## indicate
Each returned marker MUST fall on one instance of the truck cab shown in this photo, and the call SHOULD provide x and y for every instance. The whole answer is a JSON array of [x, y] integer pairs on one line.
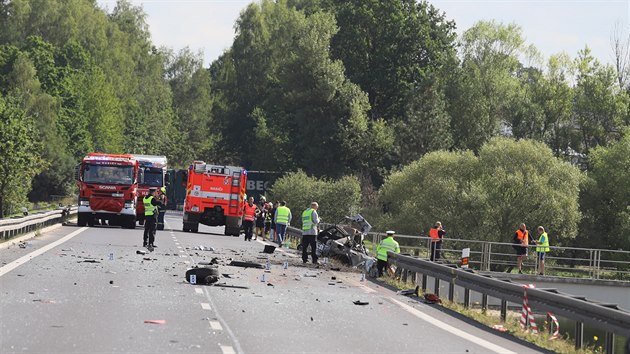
[[154, 175]]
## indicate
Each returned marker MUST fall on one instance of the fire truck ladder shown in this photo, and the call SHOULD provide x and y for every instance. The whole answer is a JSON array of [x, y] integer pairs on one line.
[[235, 192]]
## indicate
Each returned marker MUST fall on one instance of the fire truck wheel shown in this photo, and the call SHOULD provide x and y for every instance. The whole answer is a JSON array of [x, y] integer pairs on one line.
[[81, 220], [90, 221]]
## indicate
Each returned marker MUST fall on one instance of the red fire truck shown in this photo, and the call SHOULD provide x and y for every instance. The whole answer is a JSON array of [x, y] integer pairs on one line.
[[154, 176], [107, 189], [215, 196]]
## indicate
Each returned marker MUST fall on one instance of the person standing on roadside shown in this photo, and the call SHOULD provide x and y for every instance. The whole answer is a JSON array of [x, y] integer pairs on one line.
[[387, 245], [521, 242], [249, 214], [542, 247], [151, 205], [310, 222], [260, 218], [272, 226], [283, 220], [436, 233]]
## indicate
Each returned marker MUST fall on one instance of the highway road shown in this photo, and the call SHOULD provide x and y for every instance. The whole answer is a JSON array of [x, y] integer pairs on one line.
[[85, 290]]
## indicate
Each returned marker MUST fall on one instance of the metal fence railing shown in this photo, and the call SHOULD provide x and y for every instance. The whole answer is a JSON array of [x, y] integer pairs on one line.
[[609, 318], [12, 227], [500, 257]]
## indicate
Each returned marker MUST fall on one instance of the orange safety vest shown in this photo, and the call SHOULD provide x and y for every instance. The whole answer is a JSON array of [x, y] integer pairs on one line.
[[523, 236], [250, 212], [433, 232]]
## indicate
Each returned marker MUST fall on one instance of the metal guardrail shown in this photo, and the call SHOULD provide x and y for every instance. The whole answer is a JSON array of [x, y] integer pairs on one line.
[[10, 228], [608, 317], [496, 256]]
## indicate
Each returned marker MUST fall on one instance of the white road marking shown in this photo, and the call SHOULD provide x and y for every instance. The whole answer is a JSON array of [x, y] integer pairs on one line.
[[183, 255], [216, 326], [182, 251], [178, 246], [205, 306], [199, 291], [186, 262], [226, 349], [16, 263], [237, 346], [458, 332]]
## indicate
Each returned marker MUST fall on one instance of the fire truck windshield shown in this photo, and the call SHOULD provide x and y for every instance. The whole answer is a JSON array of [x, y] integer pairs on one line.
[[108, 174], [153, 177]]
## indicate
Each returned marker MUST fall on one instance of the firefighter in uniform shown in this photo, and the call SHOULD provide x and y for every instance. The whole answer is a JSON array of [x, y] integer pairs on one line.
[[151, 204], [249, 214], [388, 244]]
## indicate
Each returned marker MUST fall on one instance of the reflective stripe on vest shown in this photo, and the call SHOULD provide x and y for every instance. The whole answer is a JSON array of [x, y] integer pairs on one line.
[[282, 215], [543, 243], [435, 236], [386, 245], [250, 212], [523, 236], [149, 209], [307, 219]]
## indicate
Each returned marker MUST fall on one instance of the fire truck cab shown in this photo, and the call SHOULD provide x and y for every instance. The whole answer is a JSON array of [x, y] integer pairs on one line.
[[154, 170], [215, 196], [107, 189]]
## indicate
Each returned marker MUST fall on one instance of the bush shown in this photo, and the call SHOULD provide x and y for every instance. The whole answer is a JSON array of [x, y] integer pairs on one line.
[[336, 198]]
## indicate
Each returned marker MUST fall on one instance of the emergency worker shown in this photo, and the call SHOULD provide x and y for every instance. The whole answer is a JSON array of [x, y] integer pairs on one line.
[[310, 222], [542, 247], [521, 242], [260, 218], [151, 204], [283, 220], [388, 244], [436, 233], [249, 214]]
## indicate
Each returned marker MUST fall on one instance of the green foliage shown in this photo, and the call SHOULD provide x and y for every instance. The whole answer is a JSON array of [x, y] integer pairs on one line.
[[336, 198], [485, 197]]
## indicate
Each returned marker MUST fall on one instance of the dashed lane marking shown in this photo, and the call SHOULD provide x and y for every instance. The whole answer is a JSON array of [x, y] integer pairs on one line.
[[205, 306], [226, 349], [216, 326], [16, 263], [199, 291]]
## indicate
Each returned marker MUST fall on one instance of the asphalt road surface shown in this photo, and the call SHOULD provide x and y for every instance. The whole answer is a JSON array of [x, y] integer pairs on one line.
[[85, 290]]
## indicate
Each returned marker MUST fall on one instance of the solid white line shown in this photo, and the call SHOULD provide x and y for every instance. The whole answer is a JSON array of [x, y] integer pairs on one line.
[[226, 349], [16, 263], [237, 345], [216, 326], [182, 251], [205, 306], [199, 291], [178, 246], [458, 332]]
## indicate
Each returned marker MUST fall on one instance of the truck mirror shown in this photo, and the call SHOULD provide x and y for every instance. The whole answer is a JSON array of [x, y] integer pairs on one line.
[[77, 172], [140, 176]]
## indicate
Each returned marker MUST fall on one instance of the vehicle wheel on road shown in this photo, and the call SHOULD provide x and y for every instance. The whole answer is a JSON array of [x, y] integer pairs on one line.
[[90, 221], [130, 224], [160, 227], [195, 229], [82, 220], [141, 222]]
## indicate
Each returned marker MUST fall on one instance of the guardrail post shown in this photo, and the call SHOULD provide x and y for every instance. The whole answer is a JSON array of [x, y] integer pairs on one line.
[[610, 343], [436, 287], [403, 276], [489, 258], [579, 335], [451, 291], [503, 310], [484, 303], [424, 283], [466, 298]]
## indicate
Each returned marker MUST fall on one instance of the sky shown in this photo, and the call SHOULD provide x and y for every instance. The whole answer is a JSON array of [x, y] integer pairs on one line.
[[552, 26]]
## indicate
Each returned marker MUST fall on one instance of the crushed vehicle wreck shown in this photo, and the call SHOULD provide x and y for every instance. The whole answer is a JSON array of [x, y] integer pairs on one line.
[[345, 243]]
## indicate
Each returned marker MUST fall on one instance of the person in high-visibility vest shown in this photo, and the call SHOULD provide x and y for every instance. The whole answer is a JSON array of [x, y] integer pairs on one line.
[[249, 214], [387, 245], [436, 233], [521, 243], [283, 219], [310, 222], [151, 203], [542, 247]]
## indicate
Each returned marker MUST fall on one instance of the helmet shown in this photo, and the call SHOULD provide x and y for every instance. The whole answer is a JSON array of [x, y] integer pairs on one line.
[[163, 189]]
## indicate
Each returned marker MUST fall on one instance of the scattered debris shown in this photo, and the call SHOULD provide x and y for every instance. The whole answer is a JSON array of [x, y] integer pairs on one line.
[[203, 276], [91, 261], [155, 321], [141, 252], [269, 284], [333, 278], [111, 282], [269, 249], [335, 268], [232, 286], [432, 299], [360, 303], [246, 264], [22, 244], [409, 292], [311, 318], [499, 328], [204, 248]]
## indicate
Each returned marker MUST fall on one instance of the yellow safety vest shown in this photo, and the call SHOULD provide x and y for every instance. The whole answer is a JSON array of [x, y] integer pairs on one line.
[[543, 243], [307, 219], [282, 215], [388, 244], [149, 209]]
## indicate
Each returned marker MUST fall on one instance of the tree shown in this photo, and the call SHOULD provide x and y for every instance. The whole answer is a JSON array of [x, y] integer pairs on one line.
[[19, 154], [485, 197]]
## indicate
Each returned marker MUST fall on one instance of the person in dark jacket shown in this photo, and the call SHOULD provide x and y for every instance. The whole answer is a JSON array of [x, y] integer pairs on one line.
[[151, 211]]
